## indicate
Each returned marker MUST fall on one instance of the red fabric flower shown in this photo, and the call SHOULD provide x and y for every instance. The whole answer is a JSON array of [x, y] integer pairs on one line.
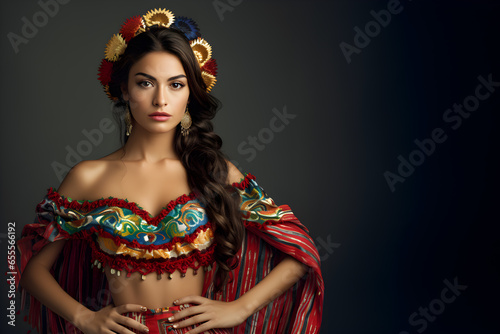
[[210, 67], [105, 72], [130, 27]]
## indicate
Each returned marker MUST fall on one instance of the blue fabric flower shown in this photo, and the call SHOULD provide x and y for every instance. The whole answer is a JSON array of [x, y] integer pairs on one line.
[[188, 27]]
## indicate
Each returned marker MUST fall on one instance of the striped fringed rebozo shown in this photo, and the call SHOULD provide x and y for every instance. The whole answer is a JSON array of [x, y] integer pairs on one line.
[[72, 270], [272, 232]]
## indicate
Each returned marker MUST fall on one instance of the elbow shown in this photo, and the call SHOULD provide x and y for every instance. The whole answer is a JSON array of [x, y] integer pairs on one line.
[[303, 269], [24, 281], [300, 269], [27, 276]]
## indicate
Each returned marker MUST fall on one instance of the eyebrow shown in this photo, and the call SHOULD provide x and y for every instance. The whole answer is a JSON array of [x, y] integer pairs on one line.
[[153, 78]]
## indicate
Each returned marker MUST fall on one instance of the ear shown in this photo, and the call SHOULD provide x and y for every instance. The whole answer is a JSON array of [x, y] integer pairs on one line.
[[124, 89]]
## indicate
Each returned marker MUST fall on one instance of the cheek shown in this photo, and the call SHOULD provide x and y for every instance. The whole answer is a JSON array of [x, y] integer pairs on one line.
[[183, 97], [138, 95], [177, 100]]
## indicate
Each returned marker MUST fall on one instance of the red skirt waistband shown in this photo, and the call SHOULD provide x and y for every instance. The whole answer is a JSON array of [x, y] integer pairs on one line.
[[157, 320]]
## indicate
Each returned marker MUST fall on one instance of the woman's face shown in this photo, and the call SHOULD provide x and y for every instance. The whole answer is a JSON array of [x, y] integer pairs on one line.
[[157, 83]]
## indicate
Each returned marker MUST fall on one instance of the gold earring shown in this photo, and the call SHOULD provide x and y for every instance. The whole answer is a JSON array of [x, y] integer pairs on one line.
[[128, 120], [186, 123]]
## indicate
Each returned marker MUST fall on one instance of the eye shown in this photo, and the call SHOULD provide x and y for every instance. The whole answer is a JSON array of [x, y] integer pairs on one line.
[[145, 83], [177, 85]]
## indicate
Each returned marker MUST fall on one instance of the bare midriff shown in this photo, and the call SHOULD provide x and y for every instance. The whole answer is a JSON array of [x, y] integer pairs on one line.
[[153, 291]]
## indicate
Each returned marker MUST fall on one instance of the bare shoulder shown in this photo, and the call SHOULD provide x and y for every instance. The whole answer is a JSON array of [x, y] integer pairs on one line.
[[82, 178], [233, 173]]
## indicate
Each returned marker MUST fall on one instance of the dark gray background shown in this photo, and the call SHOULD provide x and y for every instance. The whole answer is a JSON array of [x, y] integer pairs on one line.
[[389, 252]]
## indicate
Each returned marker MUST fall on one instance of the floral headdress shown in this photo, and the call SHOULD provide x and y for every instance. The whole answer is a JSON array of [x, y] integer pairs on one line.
[[163, 18]]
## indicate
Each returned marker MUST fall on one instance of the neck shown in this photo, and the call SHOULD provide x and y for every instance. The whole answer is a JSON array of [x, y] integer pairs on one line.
[[150, 147]]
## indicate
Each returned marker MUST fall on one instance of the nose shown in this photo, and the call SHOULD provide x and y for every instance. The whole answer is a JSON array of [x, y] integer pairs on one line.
[[160, 98]]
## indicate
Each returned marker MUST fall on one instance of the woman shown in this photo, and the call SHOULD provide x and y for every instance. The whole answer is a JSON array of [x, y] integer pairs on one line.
[[259, 264]]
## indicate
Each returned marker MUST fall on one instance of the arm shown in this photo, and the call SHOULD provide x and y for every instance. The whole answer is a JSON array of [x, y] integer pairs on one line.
[[38, 280], [280, 279], [218, 314], [40, 283]]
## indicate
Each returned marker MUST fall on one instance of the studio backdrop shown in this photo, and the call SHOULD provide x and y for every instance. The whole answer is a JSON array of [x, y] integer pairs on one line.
[[375, 121]]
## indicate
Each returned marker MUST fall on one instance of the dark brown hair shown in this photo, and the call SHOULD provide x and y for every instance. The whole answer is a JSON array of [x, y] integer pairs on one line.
[[200, 150]]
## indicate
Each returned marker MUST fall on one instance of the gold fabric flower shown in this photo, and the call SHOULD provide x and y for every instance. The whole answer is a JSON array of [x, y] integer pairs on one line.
[[202, 50], [115, 47], [209, 80], [161, 17]]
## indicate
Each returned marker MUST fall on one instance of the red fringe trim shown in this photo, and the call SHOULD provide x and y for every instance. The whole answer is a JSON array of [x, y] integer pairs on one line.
[[189, 238], [87, 205], [86, 234], [120, 261], [245, 182], [146, 266], [118, 240], [289, 219]]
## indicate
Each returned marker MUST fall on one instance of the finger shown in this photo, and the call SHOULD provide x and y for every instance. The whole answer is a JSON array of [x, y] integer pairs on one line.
[[192, 310], [201, 328], [108, 331], [190, 299], [117, 328], [129, 322], [192, 321], [130, 308]]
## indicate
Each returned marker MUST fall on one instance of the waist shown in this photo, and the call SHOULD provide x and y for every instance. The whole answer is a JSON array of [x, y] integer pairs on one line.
[[153, 291], [162, 311], [157, 320]]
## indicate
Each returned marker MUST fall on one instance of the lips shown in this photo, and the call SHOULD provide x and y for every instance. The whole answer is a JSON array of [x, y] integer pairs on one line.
[[159, 113]]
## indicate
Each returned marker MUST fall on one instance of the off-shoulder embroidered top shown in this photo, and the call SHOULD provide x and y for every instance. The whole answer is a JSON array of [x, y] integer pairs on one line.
[[127, 238]]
